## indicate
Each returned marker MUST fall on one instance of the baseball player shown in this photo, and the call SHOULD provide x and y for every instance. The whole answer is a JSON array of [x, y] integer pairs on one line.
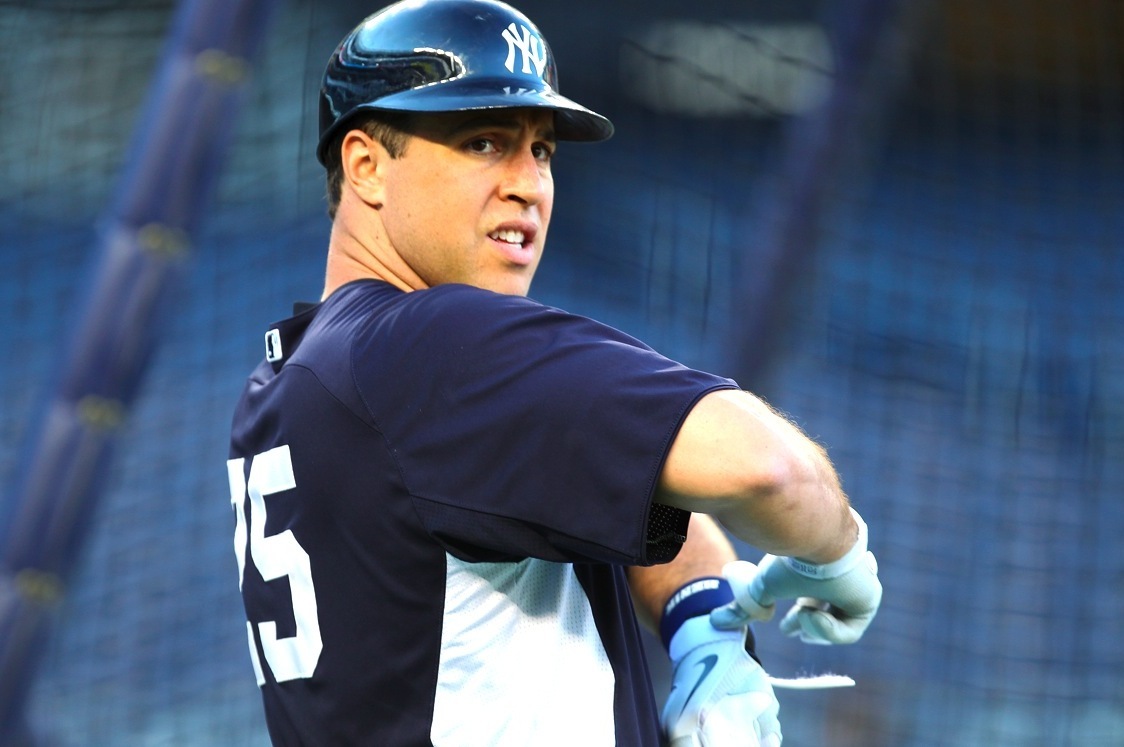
[[454, 506]]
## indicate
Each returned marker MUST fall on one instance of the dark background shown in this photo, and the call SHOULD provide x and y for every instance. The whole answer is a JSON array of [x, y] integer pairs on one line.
[[923, 268]]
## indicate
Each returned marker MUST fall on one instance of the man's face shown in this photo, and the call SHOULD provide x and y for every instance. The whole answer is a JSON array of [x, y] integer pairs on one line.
[[469, 201]]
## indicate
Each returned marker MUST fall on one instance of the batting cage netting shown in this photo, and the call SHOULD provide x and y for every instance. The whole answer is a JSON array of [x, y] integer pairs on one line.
[[900, 222]]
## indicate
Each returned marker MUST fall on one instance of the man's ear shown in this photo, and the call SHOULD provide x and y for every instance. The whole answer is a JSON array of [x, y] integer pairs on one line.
[[362, 158]]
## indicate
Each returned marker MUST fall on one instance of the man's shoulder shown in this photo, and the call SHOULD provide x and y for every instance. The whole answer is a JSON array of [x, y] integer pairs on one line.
[[438, 300], [466, 310], [470, 298], [376, 322]]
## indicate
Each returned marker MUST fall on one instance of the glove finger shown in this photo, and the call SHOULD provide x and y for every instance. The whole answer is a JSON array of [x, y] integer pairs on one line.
[[687, 740], [740, 572], [790, 623], [727, 724], [820, 627], [729, 617], [743, 579], [719, 732], [769, 725], [746, 582]]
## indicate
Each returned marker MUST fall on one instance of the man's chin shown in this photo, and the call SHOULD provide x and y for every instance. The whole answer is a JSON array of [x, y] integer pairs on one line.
[[510, 285]]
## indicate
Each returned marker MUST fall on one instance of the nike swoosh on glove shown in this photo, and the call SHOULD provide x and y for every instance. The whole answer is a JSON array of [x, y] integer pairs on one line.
[[720, 696]]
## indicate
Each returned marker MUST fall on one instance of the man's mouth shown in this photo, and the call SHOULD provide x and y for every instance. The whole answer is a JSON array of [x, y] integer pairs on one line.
[[508, 236]]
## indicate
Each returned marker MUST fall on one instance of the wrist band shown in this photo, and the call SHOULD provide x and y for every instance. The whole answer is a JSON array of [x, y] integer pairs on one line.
[[836, 568], [696, 598]]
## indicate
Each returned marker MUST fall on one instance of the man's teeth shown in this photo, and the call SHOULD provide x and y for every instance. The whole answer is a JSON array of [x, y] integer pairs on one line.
[[511, 237]]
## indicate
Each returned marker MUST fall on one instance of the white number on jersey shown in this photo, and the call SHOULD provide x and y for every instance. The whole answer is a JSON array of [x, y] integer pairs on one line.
[[276, 556]]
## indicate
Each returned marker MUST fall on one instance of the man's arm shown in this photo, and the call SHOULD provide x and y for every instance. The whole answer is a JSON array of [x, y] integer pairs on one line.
[[737, 460], [704, 553], [719, 695], [744, 464]]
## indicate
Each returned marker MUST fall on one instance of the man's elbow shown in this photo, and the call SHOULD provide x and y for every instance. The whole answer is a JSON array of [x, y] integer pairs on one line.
[[765, 477], [768, 504]]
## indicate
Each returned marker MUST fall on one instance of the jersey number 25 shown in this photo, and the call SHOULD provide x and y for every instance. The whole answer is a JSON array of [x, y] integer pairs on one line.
[[276, 556]]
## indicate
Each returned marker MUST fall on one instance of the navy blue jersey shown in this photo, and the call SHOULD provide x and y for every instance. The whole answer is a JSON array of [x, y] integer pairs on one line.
[[436, 496]]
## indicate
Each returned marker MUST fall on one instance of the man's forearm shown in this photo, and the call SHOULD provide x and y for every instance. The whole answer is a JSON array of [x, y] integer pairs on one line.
[[766, 482], [703, 554]]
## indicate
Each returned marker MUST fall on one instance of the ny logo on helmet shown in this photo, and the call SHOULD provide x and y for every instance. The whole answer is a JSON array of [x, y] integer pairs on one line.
[[530, 45]]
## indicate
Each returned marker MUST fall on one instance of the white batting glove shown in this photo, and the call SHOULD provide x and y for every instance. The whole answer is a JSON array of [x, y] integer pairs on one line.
[[835, 602], [720, 696]]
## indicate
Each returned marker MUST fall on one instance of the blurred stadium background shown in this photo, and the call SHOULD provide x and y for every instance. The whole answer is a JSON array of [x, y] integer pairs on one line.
[[899, 221]]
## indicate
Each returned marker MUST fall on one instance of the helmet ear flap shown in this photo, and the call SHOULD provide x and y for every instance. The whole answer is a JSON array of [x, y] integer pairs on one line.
[[444, 56]]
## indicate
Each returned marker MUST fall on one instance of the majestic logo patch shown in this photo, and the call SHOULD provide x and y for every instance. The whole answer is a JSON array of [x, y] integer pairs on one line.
[[532, 47], [273, 351]]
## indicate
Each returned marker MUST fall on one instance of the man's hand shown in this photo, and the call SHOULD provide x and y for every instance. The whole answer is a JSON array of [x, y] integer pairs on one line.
[[835, 601], [720, 696]]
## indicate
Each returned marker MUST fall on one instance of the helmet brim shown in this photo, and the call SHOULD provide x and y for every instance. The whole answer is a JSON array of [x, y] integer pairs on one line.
[[572, 121]]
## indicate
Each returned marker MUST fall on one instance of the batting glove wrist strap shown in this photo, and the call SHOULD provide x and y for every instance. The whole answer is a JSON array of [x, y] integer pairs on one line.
[[836, 568]]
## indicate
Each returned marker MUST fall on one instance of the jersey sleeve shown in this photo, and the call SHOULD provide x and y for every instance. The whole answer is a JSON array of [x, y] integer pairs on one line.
[[524, 431]]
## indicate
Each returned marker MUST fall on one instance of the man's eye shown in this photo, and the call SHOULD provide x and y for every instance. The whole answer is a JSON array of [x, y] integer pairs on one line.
[[543, 152], [482, 145]]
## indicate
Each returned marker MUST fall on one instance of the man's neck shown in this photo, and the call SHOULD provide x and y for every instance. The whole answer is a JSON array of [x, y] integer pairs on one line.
[[351, 258]]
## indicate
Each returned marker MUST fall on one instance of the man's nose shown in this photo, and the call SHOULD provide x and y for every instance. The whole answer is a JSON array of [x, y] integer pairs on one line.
[[527, 179]]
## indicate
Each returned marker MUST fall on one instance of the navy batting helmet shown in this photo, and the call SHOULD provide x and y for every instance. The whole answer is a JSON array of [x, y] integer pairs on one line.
[[443, 56]]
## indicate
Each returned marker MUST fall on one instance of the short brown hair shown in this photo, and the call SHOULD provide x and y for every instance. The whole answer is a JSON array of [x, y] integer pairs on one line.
[[391, 129]]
